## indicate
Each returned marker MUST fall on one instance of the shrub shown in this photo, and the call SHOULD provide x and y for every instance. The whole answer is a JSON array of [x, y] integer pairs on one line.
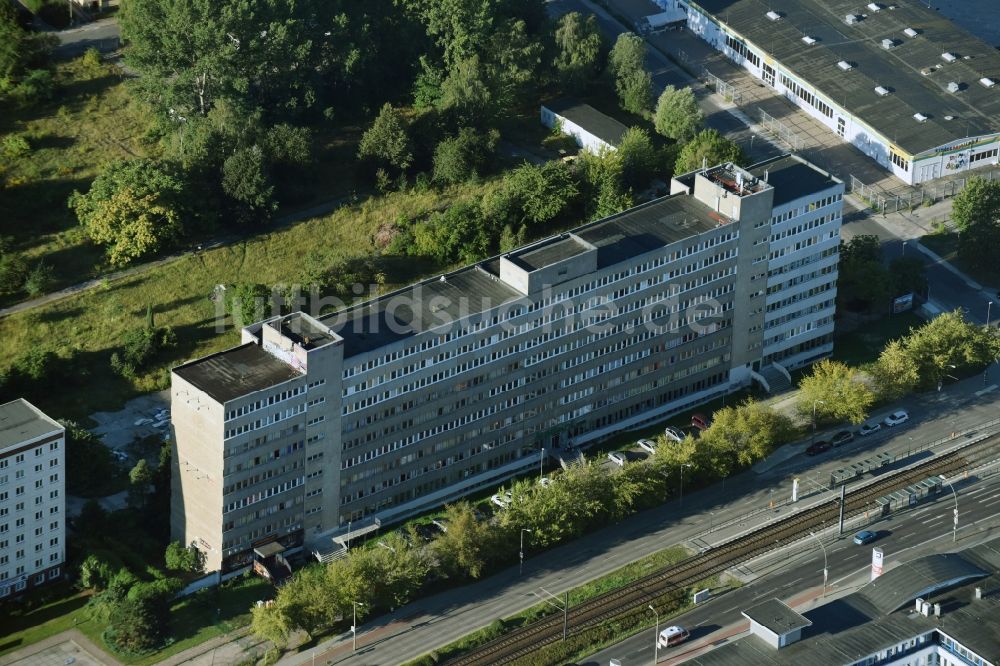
[[15, 145]]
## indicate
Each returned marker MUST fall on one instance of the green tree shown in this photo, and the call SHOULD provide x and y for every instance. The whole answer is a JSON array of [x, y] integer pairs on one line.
[[907, 275], [462, 157], [540, 193], [134, 208], [179, 558], [13, 271], [95, 572], [837, 391], [628, 55], [635, 91], [140, 347], [976, 213], [466, 97], [511, 240], [740, 436], [21, 53], [602, 184], [91, 468], [39, 279], [896, 372], [863, 282], [386, 143], [677, 114], [246, 179], [463, 550], [578, 50], [708, 147], [639, 158], [270, 623], [140, 477], [949, 344], [248, 303], [454, 234]]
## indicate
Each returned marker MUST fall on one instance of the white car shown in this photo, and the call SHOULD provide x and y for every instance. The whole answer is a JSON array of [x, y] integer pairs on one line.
[[617, 458], [673, 433], [647, 445], [545, 482], [869, 428], [897, 417], [502, 500]]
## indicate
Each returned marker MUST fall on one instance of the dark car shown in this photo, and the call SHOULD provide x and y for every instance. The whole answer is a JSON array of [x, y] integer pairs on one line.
[[842, 437], [818, 447]]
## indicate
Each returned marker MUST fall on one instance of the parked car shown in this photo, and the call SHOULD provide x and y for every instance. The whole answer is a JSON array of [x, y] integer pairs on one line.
[[673, 635], [617, 457], [700, 421], [545, 481], [647, 445], [842, 437], [897, 417], [818, 447], [864, 536], [502, 500], [869, 428], [676, 434]]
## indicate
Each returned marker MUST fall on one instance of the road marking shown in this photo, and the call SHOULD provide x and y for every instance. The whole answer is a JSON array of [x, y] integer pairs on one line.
[[973, 492], [989, 388]]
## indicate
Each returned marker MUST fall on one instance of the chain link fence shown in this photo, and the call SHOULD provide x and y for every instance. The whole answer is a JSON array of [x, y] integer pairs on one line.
[[912, 197], [728, 91], [780, 130]]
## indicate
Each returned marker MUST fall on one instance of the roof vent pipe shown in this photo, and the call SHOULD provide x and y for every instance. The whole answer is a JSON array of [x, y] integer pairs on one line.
[[937, 610], [919, 603], [979, 593], [925, 610]]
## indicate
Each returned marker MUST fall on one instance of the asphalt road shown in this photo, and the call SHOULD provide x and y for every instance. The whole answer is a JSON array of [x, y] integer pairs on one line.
[[705, 516], [922, 530]]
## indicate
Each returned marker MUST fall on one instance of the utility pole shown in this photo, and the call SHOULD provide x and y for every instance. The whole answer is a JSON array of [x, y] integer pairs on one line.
[[843, 494]]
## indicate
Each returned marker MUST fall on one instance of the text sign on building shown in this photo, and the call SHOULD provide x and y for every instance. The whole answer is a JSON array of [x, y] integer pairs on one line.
[[877, 557]]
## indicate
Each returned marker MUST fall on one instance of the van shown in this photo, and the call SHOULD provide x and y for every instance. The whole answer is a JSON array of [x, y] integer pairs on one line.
[[673, 635]]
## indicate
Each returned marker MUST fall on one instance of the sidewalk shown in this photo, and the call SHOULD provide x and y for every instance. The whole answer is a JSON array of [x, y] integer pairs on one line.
[[706, 517]]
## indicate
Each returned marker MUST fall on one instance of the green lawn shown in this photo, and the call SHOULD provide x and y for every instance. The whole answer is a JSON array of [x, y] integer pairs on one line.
[[91, 121], [865, 344], [194, 619]]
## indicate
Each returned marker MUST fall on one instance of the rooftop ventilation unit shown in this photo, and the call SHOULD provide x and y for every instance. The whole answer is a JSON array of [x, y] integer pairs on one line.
[[949, 117], [953, 87], [811, 40], [774, 16], [948, 57], [888, 44], [882, 91], [987, 82], [875, 7], [910, 32], [844, 65], [920, 118], [851, 19]]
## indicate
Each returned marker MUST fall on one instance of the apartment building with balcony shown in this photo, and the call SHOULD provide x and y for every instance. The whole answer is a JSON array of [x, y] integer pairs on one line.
[[386, 408], [32, 498]]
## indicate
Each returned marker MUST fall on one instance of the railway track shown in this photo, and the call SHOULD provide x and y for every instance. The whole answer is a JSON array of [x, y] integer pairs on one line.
[[670, 582]]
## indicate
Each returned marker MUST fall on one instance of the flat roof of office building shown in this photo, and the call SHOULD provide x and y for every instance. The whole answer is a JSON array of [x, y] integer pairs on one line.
[[236, 372], [776, 616], [21, 421], [478, 288], [914, 71], [849, 629], [792, 178], [602, 126]]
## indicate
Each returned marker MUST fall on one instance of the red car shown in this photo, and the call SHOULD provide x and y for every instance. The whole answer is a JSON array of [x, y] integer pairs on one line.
[[700, 421]]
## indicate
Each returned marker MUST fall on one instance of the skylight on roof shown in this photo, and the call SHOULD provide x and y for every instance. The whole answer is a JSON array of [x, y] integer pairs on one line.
[[954, 87], [851, 19], [987, 82], [948, 57], [809, 40], [888, 43], [920, 118], [882, 91], [774, 16], [910, 32], [844, 65], [875, 7]]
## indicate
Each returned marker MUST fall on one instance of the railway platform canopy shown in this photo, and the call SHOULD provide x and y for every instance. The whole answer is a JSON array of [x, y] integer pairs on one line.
[[881, 624]]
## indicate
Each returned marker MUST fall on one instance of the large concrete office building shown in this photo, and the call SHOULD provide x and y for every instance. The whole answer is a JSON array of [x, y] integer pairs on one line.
[[386, 408], [903, 84], [32, 498]]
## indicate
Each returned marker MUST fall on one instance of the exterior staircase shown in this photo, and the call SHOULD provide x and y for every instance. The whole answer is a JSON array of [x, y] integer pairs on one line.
[[777, 378]]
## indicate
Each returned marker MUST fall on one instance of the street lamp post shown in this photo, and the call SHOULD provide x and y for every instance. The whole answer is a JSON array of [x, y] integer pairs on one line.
[[826, 570], [521, 552], [903, 253], [656, 636], [354, 627], [681, 497], [541, 465], [989, 305], [954, 527]]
